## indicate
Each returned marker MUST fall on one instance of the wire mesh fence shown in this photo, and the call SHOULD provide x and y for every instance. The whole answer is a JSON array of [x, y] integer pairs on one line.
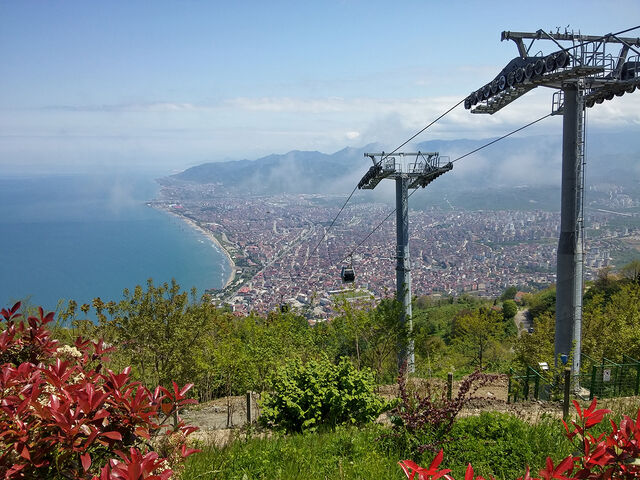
[[603, 379]]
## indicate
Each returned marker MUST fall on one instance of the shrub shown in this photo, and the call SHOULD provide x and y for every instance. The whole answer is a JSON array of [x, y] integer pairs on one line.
[[63, 416], [615, 453], [319, 393], [424, 422]]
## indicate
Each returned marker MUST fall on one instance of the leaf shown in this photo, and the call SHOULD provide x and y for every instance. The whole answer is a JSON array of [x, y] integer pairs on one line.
[[86, 461], [437, 461], [469, 473], [185, 452], [113, 435], [143, 432], [408, 464], [24, 453]]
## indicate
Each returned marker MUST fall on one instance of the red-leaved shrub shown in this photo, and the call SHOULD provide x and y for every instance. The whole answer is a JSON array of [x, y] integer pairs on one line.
[[63, 416], [613, 454]]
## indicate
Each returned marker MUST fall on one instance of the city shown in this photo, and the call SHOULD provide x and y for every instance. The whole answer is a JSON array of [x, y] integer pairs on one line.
[[272, 241]]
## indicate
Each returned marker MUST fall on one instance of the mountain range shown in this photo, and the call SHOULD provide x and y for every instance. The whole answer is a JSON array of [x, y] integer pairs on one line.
[[522, 163]]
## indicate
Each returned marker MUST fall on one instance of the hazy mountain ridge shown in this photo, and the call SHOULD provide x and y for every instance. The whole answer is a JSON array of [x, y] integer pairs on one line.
[[531, 164]]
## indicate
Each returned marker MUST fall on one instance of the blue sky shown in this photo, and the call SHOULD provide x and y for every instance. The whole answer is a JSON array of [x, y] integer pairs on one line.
[[162, 85]]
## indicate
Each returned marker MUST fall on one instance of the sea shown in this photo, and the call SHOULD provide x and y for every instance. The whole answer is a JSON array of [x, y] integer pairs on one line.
[[79, 237]]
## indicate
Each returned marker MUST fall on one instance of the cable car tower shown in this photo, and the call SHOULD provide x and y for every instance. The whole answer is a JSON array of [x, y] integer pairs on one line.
[[586, 70], [410, 171]]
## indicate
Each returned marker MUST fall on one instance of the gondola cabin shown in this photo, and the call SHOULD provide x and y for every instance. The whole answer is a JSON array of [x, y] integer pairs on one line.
[[347, 274]]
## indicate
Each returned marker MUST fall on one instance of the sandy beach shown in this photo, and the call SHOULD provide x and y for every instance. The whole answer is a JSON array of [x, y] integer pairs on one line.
[[211, 237]]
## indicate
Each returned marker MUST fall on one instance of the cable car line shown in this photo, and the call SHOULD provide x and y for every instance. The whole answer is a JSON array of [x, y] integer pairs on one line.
[[379, 162], [502, 137], [352, 252], [418, 133]]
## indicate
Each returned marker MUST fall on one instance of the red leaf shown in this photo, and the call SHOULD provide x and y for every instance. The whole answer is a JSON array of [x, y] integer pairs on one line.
[[469, 473], [185, 452], [143, 432], [185, 389], [437, 461], [407, 465], [577, 407], [25, 453], [86, 461], [565, 465], [112, 435]]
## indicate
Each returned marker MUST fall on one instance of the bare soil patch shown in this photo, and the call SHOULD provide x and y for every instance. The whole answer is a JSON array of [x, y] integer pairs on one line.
[[218, 426]]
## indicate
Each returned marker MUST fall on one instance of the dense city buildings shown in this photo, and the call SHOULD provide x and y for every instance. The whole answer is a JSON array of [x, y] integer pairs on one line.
[[272, 240]]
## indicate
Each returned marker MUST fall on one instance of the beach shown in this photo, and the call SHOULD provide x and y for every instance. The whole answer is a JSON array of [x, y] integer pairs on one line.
[[209, 235]]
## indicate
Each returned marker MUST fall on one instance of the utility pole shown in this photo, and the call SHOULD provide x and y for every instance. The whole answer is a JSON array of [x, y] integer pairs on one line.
[[410, 170], [584, 73]]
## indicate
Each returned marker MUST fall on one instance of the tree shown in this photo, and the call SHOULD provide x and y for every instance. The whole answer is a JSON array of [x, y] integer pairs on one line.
[[509, 309], [160, 331], [509, 293], [475, 333], [631, 271], [354, 327], [611, 326], [542, 302], [538, 346]]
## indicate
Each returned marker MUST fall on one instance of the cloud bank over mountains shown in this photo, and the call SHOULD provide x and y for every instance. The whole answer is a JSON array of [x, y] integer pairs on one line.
[[511, 163]]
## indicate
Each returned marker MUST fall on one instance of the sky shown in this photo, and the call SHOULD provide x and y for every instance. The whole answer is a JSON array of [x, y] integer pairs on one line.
[[163, 85]]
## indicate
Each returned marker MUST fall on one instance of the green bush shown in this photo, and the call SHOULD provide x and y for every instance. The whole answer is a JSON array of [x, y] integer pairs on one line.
[[319, 393], [500, 444]]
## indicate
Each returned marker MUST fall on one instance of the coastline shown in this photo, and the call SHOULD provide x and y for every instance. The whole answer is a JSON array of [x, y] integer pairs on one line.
[[210, 236]]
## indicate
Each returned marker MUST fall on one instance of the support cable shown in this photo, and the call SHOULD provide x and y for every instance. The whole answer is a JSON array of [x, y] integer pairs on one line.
[[501, 138], [379, 162], [352, 252], [421, 131]]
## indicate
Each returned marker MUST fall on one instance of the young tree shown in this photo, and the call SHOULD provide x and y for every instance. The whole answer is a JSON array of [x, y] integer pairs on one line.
[[631, 271], [509, 309], [159, 330], [538, 346], [476, 333]]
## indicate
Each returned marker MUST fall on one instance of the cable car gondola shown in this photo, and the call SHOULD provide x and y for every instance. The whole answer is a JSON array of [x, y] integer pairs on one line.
[[347, 274]]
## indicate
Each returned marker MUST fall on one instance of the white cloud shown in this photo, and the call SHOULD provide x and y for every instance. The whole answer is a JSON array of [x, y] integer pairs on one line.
[[243, 127]]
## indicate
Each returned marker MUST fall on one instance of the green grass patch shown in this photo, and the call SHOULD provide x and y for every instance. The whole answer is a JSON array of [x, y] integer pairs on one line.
[[347, 453], [496, 444]]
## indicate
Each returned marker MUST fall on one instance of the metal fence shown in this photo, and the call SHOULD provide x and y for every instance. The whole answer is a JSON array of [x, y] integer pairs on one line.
[[534, 384], [611, 379], [604, 379]]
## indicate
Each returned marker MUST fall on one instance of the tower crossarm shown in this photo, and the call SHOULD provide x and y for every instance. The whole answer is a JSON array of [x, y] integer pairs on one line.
[[607, 65], [420, 168]]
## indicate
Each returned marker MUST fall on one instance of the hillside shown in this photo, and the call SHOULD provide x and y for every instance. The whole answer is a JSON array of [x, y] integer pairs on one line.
[[508, 168]]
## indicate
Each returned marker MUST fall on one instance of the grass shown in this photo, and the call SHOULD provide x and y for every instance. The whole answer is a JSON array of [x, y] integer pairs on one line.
[[347, 453], [496, 444]]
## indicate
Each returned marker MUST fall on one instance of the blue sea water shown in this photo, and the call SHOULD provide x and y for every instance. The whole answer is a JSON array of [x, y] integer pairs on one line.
[[80, 237]]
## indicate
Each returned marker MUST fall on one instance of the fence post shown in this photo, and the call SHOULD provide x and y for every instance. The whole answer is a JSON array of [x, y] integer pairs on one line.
[[525, 390], [593, 382], [509, 390], [249, 416], [536, 387], [567, 389], [449, 385]]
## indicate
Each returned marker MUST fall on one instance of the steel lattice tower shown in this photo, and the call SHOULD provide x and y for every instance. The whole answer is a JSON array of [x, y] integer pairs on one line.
[[421, 171], [585, 72]]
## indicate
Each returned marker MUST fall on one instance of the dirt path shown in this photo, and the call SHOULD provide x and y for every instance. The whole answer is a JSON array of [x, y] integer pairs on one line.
[[523, 321]]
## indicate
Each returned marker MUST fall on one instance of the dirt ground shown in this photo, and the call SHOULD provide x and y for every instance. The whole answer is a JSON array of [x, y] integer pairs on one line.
[[219, 427]]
